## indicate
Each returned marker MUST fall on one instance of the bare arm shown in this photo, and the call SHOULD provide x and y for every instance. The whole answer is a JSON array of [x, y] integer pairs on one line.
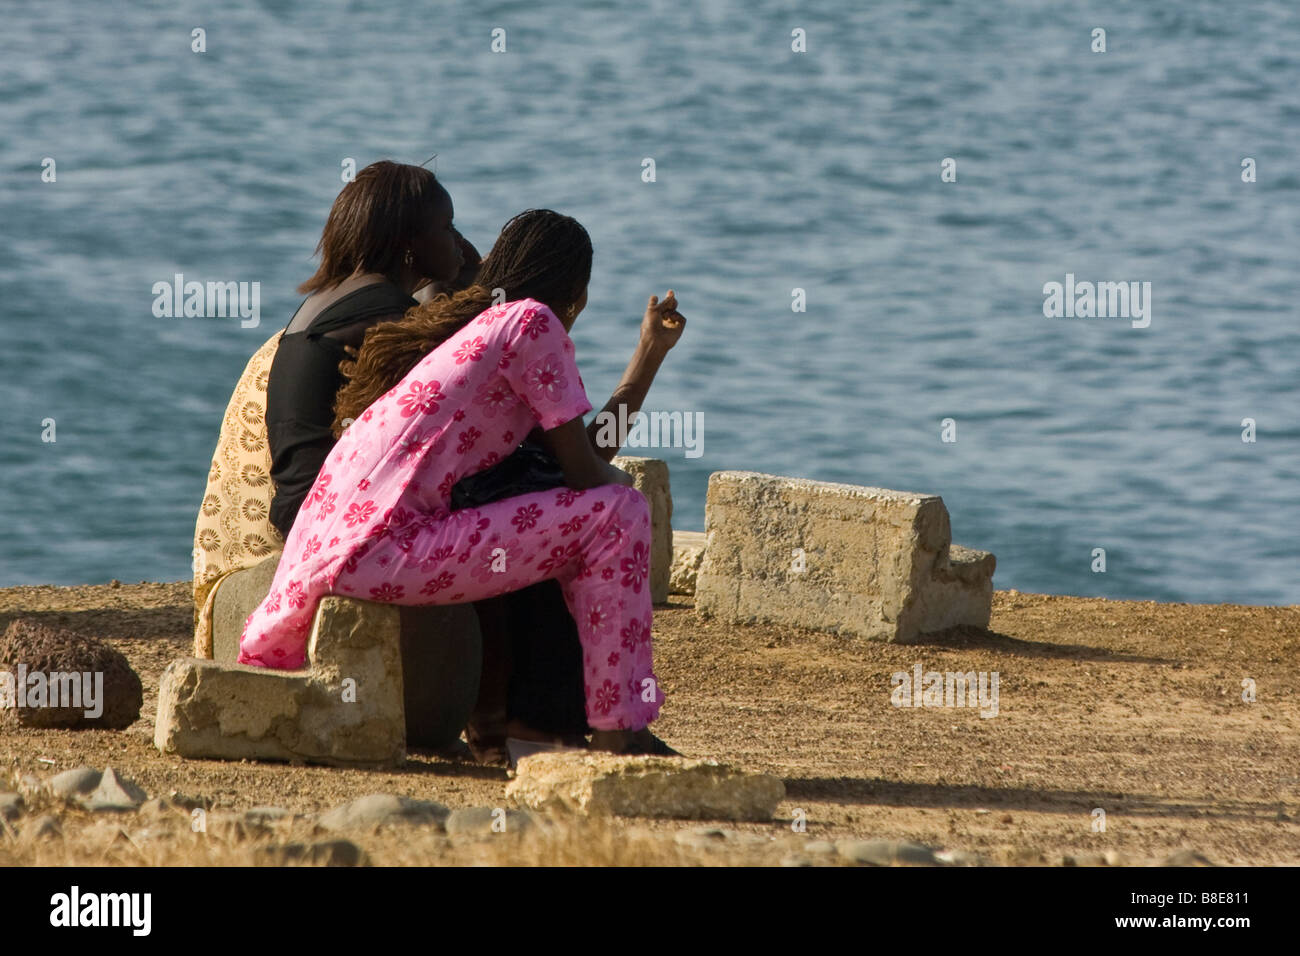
[[582, 468], [660, 329]]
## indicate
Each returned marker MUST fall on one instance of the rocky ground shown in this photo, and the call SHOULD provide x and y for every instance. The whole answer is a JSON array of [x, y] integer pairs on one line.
[[1132, 708]]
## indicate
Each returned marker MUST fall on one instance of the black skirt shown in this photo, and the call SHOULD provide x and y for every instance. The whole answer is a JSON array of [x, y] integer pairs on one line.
[[546, 684]]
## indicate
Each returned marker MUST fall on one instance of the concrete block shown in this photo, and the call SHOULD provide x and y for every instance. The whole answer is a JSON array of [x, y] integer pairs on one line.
[[673, 787], [688, 555], [441, 648], [848, 559], [651, 479], [238, 595], [231, 711]]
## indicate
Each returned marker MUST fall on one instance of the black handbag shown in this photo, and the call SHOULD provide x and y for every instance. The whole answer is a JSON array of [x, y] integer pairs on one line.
[[529, 468]]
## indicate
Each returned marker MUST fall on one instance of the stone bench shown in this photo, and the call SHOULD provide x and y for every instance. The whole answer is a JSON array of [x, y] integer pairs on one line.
[[842, 558], [438, 664], [345, 709], [441, 650]]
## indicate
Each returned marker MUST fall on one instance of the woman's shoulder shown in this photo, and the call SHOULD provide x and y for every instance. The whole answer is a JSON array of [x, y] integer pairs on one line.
[[527, 317]]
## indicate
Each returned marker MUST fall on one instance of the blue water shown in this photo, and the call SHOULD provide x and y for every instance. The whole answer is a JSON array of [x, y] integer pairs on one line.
[[775, 170]]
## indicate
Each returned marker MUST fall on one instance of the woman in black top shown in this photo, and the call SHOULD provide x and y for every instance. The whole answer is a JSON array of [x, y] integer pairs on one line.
[[389, 236], [389, 233]]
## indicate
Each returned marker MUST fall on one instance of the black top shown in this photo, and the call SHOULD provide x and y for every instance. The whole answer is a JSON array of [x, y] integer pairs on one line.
[[301, 388]]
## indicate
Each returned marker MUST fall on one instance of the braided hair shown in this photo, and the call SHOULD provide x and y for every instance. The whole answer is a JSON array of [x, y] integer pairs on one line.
[[539, 255]]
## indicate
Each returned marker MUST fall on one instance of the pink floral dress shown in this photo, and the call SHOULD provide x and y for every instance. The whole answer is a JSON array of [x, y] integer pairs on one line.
[[376, 524]]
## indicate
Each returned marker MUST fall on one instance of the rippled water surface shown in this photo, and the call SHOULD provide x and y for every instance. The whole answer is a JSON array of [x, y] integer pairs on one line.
[[775, 171]]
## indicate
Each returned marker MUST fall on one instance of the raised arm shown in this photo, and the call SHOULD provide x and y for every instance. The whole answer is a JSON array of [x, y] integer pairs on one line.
[[661, 327]]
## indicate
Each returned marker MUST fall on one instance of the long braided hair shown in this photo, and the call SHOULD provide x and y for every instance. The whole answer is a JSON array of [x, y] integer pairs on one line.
[[539, 255]]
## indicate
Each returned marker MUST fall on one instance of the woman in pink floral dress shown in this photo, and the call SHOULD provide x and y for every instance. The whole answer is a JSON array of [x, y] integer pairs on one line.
[[376, 524]]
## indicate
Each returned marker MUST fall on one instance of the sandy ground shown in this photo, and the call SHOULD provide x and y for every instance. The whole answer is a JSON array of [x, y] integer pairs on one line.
[[1135, 708]]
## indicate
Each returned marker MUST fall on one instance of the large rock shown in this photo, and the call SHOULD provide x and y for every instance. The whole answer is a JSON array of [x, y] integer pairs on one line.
[[847, 559], [441, 649], [90, 681], [232, 711], [644, 787], [650, 477]]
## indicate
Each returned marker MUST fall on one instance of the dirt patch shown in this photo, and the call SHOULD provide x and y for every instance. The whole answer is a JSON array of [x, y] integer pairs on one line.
[[1133, 708]]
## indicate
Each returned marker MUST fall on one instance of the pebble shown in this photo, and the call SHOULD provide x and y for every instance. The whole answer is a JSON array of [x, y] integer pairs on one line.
[[114, 794], [960, 858], [74, 782], [320, 853], [384, 809], [479, 822], [819, 847], [886, 852], [11, 806]]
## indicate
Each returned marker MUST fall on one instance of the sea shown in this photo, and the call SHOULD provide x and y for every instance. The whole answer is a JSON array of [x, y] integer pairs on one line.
[[862, 207]]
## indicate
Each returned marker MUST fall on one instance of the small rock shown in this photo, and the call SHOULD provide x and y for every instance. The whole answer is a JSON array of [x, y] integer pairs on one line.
[[675, 787], [1187, 858], [819, 847], [44, 827], [886, 852], [114, 794], [384, 809], [320, 853], [795, 859], [487, 821], [115, 583], [1006, 818], [11, 806], [960, 858], [1113, 858], [982, 812], [75, 782]]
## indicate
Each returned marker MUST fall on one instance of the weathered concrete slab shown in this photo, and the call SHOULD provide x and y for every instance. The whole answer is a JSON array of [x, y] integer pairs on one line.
[[674, 787], [237, 596], [442, 653], [651, 479], [688, 555], [346, 708], [847, 559]]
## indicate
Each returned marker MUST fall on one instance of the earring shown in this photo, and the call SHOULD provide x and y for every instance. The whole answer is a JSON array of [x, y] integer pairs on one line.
[[409, 258]]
